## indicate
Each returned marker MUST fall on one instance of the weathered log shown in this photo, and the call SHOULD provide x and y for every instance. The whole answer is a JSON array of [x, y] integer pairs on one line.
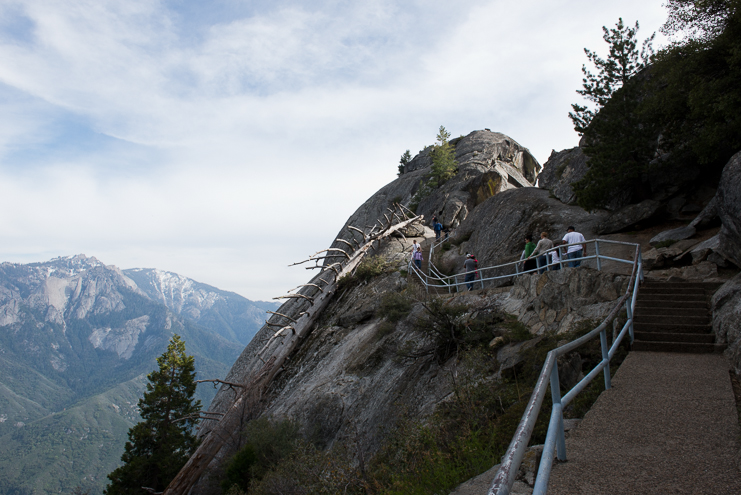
[[229, 423]]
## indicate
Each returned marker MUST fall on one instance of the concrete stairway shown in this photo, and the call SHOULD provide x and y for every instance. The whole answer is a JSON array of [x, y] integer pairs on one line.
[[675, 317]]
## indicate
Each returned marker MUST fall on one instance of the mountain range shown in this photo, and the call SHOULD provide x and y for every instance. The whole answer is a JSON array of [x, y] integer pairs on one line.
[[77, 339]]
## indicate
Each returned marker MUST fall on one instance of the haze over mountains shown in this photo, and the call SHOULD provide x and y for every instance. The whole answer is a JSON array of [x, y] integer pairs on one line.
[[77, 338]]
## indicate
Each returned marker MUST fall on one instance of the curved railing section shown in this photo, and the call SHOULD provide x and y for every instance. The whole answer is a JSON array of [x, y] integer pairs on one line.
[[555, 444], [501, 273]]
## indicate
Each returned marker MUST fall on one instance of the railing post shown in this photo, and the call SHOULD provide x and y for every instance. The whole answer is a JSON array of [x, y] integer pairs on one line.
[[605, 357], [596, 252], [629, 310], [556, 396]]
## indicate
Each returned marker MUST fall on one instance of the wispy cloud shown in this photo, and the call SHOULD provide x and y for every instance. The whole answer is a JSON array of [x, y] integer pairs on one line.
[[223, 140]]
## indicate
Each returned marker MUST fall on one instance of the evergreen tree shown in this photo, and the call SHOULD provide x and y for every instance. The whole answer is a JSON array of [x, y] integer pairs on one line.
[[444, 165], [618, 141], [405, 159], [622, 63], [163, 441]]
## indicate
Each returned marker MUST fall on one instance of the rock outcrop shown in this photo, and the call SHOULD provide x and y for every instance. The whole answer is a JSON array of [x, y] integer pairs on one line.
[[488, 164], [562, 169], [726, 308], [729, 210]]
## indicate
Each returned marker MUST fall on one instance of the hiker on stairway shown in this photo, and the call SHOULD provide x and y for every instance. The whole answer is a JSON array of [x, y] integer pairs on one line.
[[418, 257], [529, 248], [544, 244], [470, 266], [438, 229], [415, 246], [576, 251]]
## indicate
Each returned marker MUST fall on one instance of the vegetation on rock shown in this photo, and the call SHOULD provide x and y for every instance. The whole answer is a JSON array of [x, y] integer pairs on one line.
[[680, 113]]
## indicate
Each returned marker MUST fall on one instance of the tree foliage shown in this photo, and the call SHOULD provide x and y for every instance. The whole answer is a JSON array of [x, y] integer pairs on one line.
[[624, 61], [163, 441], [616, 141], [403, 161], [444, 165], [679, 115]]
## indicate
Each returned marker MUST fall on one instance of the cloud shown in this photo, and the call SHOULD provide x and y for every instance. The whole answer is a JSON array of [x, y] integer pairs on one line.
[[224, 140]]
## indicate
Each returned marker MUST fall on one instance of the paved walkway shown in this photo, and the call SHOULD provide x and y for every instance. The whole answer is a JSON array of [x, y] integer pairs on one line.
[[668, 425]]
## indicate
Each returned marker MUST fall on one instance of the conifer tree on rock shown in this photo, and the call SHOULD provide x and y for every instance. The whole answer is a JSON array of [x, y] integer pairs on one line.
[[163, 441], [618, 142]]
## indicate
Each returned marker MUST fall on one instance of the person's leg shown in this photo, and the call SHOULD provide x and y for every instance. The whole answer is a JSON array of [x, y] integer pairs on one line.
[[542, 263], [573, 256]]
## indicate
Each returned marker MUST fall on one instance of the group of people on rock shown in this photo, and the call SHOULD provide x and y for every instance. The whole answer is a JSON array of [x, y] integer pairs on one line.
[[536, 255]]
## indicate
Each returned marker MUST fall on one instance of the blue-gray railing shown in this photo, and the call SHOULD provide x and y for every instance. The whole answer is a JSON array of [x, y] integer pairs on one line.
[[434, 278], [555, 444], [555, 441]]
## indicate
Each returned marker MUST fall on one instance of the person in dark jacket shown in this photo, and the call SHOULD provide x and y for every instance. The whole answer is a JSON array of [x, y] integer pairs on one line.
[[530, 264]]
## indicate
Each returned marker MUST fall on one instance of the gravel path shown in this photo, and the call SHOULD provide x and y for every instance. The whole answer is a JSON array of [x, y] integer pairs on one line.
[[668, 425]]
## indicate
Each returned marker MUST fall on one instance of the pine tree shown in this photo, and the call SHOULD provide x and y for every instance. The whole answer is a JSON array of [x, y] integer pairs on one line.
[[617, 139], [444, 165], [163, 441], [403, 161], [622, 63]]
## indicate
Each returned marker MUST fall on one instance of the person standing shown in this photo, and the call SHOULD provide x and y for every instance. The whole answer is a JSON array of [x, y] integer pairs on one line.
[[576, 251], [470, 266], [438, 230], [418, 257], [544, 244], [415, 246], [529, 248]]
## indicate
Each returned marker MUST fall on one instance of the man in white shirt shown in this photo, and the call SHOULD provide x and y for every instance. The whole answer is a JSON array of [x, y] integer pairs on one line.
[[575, 251], [415, 246]]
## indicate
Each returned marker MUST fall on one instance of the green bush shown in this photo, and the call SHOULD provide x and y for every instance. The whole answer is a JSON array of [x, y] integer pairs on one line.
[[395, 306], [268, 443]]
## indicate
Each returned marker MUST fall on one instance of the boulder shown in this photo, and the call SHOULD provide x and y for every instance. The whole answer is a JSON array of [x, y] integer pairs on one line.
[[726, 308], [629, 216], [673, 235], [729, 210], [707, 215], [562, 169], [701, 252]]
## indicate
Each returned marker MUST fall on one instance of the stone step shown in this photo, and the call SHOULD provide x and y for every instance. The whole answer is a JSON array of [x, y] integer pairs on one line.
[[710, 286], [678, 347], [674, 312], [640, 303], [668, 290], [703, 338], [671, 328], [668, 296], [673, 320]]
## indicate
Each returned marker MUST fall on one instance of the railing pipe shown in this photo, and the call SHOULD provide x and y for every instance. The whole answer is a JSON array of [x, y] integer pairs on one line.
[[556, 399], [507, 473], [605, 358], [544, 471], [596, 252]]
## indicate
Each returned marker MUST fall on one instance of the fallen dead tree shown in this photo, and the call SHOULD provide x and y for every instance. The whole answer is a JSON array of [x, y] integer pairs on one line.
[[281, 345]]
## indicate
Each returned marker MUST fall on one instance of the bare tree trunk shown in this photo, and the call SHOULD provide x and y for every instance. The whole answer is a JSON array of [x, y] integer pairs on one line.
[[279, 352]]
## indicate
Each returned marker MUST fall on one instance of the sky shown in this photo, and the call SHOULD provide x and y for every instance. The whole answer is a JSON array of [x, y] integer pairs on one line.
[[225, 139]]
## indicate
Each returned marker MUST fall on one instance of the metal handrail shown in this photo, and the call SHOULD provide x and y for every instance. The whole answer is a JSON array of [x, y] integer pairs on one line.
[[555, 442], [555, 439], [439, 280]]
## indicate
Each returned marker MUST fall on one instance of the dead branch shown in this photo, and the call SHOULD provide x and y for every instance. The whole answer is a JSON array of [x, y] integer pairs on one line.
[[216, 381], [343, 240], [296, 296], [281, 314], [357, 230], [151, 490]]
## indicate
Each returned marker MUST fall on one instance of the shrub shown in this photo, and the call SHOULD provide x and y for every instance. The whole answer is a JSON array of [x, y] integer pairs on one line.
[[268, 443], [394, 306]]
